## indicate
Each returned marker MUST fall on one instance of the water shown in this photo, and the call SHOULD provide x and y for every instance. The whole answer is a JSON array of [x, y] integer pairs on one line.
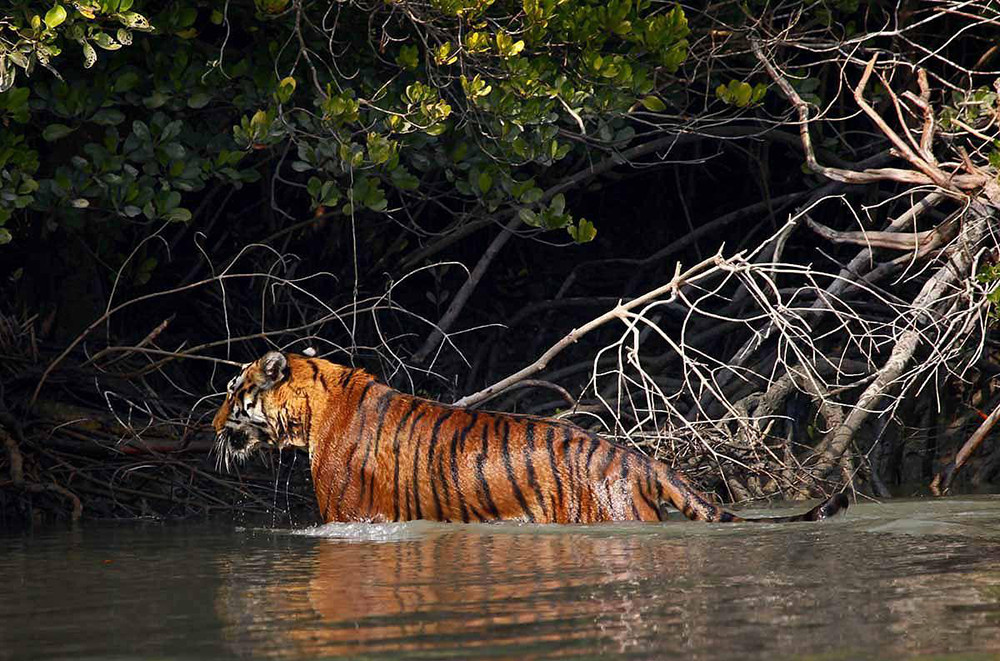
[[906, 579]]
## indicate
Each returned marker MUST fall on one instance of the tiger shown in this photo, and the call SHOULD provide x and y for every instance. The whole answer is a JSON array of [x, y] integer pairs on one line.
[[380, 455]]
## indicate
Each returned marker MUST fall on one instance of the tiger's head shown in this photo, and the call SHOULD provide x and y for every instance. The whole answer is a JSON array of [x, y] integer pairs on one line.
[[257, 410]]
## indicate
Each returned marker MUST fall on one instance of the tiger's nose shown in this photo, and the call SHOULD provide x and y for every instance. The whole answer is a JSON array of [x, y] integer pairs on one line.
[[238, 441]]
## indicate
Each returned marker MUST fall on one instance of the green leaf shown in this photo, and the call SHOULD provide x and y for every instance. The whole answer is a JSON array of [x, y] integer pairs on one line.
[[408, 57], [259, 122], [155, 100], [653, 104], [55, 16], [404, 180], [531, 195], [145, 270], [198, 100], [141, 131], [742, 94], [126, 81], [173, 150], [5, 236], [444, 55], [329, 194], [178, 215], [171, 201], [285, 89], [314, 186], [529, 217], [558, 204], [172, 130], [89, 55], [485, 182], [108, 117], [131, 19], [54, 132], [583, 232], [104, 40]]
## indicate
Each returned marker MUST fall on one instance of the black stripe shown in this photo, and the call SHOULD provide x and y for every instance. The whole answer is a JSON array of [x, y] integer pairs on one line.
[[315, 369], [549, 437], [688, 497], [455, 440], [645, 493], [505, 451], [647, 472], [395, 456], [481, 475], [413, 427], [685, 504], [345, 377], [383, 406], [624, 477], [354, 448], [603, 477], [476, 513], [322, 381], [444, 483], [594, 444], [307, 422], [529, 449], [575, 495], [430, 461]]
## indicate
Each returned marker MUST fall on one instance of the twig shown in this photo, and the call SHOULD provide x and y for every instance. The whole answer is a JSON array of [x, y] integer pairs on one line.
[[942, 481], [959, 182], [918, 162], [533, 383], [957, 266], [890, 240], [17, 471], [679, 279]]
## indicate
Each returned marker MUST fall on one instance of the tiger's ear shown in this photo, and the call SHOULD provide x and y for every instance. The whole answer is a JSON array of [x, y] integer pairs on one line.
[[273, 369]]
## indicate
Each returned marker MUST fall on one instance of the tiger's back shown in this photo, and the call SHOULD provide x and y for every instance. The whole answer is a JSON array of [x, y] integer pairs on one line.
[[377, 454], [410, 458]]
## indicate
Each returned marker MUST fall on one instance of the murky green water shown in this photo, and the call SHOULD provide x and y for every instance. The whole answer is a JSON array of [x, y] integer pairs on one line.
[[900, 580]]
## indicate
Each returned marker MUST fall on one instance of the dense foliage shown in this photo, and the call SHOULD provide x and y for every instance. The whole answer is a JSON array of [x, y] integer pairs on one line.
[[469, 106]]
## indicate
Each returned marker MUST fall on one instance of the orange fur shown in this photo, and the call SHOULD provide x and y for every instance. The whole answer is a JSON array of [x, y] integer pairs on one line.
[[381, 455]]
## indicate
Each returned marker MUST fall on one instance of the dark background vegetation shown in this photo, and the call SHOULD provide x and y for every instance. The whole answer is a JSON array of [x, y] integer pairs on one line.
[[186, 185]]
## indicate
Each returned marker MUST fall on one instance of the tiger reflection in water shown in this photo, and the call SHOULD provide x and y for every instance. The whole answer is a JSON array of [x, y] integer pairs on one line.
[[504, 591], [445, 590]]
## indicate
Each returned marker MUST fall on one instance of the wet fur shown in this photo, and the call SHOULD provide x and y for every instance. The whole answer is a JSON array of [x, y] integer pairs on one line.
[[381, 455]]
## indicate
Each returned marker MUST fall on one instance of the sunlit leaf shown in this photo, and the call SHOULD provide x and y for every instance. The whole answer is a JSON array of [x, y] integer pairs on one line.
[[55, 16], [653, 104]]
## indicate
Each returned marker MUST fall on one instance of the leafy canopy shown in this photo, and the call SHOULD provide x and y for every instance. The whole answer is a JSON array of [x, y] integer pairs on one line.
[[123, 113]]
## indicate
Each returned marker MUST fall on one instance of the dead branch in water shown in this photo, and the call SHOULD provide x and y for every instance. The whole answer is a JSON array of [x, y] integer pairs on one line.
[[942, 481]]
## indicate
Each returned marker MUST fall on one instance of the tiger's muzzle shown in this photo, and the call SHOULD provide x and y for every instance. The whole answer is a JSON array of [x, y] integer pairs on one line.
[[237, 441]]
